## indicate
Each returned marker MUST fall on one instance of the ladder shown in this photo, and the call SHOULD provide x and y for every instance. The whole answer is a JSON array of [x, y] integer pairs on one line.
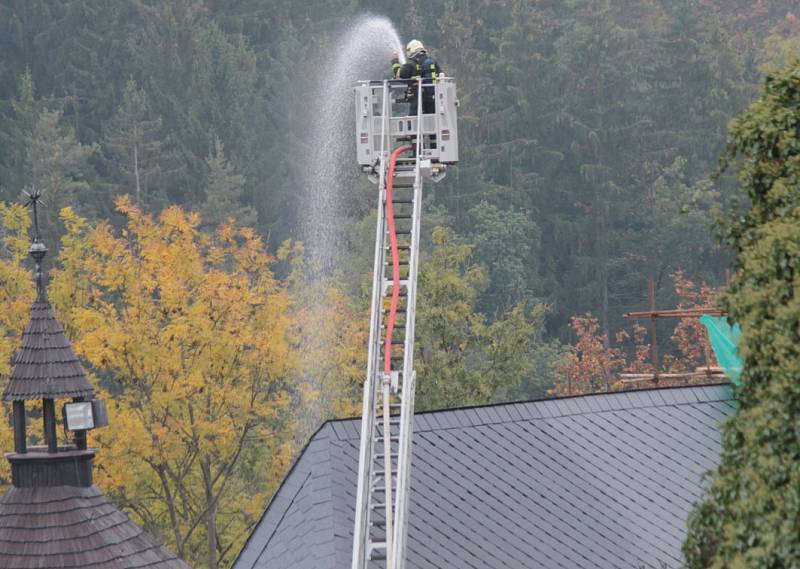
[[379, 539]]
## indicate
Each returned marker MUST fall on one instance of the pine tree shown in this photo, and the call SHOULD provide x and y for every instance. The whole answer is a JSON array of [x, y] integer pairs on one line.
[[224, 190], [135, 153], [59, 165], [16, 127], [47, 155], [599, 142]]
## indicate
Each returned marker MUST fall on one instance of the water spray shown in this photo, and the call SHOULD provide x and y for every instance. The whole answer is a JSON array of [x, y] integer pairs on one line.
[[365, 48]]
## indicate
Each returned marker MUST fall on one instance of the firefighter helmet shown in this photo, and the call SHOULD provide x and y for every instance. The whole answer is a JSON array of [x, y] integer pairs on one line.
[[413, 48]]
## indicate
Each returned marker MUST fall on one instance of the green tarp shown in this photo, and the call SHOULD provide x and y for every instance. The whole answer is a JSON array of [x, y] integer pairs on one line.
[[724, 339]]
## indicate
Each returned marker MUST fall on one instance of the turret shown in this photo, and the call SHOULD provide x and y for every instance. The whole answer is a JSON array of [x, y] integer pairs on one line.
[[47, 368]]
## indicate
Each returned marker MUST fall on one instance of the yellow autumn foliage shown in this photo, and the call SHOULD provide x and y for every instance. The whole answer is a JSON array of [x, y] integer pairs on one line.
[[189, 335], [16, 296], [331, 334], [213, 371]]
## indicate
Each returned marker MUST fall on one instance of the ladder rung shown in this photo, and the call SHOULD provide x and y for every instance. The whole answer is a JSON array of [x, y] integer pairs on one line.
[[390, 287], [393, 419], [392, 407], [397, 328], [376, 555], [380, 456]]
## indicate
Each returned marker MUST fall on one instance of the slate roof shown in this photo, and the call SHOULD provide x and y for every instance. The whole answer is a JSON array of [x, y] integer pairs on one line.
[[70, 527], [598, 481], [45, 366]]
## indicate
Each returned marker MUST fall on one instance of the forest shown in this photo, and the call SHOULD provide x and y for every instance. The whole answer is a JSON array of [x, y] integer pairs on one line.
[[169, 139]]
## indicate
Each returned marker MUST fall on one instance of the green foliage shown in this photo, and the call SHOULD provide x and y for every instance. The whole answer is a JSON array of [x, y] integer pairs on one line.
[[58, 163], [136, 158], [577, 113], [17, 125], [505, 242], [463, 358], [751, 515], [571, 112], [224, 188]]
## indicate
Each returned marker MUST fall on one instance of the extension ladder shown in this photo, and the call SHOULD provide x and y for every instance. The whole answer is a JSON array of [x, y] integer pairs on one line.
[[380, 534]]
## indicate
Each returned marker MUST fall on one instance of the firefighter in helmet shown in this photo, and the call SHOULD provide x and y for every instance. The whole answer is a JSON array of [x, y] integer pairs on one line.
[[418, 65]]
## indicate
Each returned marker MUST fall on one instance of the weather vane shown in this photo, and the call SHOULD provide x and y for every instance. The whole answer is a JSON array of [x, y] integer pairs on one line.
[[34, 199], [37, 250]]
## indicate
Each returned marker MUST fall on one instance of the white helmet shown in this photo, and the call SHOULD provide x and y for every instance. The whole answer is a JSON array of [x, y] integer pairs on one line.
[[413, 48]]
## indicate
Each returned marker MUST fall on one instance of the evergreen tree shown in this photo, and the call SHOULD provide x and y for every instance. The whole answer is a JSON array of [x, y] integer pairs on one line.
[[15, 128], [691, 77], [46, 155], [599, 141], [84, 44], [135, 154], [224, 189], [59, 165], [22, 49], [202, 83]]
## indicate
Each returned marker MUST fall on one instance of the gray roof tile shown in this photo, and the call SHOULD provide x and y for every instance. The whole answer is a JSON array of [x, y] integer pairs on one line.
[[600, 481]]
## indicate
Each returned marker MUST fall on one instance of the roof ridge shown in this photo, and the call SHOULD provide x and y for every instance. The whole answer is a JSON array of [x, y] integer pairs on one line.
[[535, 409]]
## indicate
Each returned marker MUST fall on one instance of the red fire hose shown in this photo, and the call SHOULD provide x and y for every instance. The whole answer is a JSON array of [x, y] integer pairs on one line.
[[392, 318]]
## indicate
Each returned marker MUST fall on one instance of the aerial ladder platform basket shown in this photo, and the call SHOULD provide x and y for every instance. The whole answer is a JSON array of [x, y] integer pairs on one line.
[[398, 147]]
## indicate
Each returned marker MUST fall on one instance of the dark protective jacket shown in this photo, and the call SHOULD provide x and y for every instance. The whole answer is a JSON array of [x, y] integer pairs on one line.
[[422, 66]]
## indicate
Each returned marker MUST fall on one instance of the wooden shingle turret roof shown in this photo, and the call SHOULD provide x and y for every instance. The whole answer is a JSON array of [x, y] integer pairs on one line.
[[70, 527], [46, 367]]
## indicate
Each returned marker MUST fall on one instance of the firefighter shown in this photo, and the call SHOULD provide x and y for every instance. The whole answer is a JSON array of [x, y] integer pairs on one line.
[[418, 65]]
